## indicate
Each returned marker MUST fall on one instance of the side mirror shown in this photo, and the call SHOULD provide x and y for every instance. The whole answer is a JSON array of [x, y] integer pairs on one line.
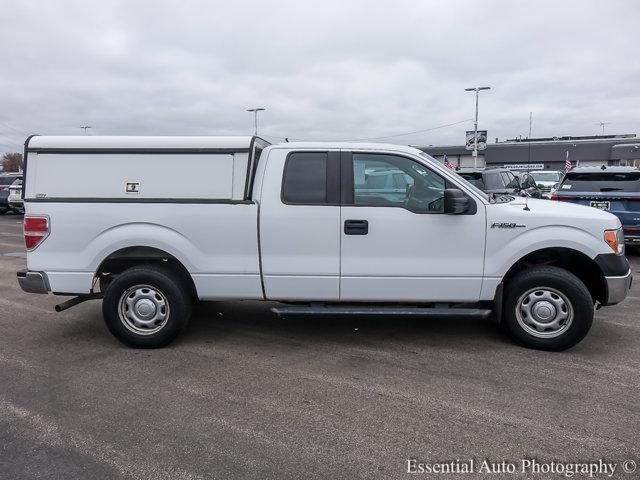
[[455, 201]]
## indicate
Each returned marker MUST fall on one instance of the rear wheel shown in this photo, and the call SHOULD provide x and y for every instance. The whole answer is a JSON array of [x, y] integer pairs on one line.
[[146, 306], [547, 308]]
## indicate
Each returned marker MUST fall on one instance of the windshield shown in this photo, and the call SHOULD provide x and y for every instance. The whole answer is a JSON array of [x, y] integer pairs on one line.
[[545, 176], [458, 177]]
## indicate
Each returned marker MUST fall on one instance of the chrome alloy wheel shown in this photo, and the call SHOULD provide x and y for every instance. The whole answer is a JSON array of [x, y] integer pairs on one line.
[[544, 312], [143, 309]]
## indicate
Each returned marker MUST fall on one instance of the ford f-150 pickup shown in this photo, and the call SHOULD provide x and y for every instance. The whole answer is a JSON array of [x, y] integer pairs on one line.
[[152, 224]]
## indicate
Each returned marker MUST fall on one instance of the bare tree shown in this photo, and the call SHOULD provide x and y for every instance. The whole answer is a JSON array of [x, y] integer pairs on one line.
[[12, 162]]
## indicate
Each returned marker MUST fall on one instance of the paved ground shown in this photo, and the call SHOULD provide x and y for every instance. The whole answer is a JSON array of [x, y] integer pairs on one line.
[[244, 395]]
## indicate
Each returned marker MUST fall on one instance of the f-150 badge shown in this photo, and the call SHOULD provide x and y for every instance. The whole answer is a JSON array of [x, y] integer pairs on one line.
[[507, 225]]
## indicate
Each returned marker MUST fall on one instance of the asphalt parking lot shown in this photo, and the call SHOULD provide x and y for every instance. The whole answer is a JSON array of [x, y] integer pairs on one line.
[[244, 395]]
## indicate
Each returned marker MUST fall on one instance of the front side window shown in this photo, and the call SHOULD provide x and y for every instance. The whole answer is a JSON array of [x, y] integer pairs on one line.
[[394, 181], [305, 178]]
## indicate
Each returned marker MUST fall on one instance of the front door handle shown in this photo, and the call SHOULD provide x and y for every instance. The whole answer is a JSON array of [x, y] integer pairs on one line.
[[356, 227]]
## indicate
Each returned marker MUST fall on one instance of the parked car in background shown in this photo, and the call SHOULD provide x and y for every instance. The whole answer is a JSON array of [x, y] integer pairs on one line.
[[15, 196], [499, 181], [614, 189], [6, 180], [547, 180]]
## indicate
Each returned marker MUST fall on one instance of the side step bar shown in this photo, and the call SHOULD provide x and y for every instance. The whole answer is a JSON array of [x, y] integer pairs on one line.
[[376, 311]]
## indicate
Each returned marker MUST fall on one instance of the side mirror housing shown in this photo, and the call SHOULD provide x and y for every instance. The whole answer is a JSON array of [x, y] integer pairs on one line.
[[455, 201]]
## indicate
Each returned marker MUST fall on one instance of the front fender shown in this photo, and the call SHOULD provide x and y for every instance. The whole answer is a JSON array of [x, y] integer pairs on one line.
[[505, 248]]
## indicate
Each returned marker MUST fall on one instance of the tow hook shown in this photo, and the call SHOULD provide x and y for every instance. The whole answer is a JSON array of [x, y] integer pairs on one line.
[[72, 302]]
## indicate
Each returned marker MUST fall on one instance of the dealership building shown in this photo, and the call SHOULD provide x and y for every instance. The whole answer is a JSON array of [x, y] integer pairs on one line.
[[546, 153]]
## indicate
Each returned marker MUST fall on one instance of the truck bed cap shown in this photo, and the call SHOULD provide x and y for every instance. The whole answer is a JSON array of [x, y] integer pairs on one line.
[[139, 142]]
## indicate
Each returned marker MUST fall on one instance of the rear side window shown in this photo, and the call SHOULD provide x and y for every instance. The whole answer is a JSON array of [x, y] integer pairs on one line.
[[602, 181], [494, 181], [305, 178]]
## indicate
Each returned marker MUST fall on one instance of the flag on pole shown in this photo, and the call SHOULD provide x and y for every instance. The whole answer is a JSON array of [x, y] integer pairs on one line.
[[447, 163], [567, 163]]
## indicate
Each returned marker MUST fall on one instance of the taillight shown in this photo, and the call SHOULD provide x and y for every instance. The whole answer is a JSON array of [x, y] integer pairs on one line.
[[36, 229], [553, 197]]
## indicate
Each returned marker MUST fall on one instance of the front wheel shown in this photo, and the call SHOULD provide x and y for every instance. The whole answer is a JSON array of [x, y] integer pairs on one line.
[[146, 306], [547, 308]]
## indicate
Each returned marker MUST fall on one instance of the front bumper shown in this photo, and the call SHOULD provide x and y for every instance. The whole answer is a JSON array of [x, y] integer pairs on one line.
[[632, 238], [33, 282], [618, 287]]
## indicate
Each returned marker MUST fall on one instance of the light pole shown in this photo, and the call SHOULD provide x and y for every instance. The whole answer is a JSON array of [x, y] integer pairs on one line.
[[255, 119], [602, 124], [475, 123]]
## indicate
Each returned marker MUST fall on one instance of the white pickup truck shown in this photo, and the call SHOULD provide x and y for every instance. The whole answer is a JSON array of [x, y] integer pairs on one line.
[[152, 224]]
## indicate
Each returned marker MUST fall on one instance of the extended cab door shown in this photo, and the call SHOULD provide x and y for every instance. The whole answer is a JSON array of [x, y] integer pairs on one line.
[[397, 243], [300, 225]]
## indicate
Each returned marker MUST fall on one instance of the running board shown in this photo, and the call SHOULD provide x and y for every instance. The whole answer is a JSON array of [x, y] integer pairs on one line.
[[417, 312]]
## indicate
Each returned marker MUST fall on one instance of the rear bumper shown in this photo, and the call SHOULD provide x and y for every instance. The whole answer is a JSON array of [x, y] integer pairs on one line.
[[33, 282], [618, 287]]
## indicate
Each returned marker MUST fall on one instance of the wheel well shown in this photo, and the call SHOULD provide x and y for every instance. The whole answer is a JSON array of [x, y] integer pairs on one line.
[[125, 258], [571, 260]]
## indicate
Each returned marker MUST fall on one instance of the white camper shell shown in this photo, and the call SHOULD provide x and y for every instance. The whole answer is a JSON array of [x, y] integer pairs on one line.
[[150, 168]]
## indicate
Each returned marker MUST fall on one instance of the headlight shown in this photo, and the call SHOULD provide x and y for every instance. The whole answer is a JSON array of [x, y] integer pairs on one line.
[[615, 239]]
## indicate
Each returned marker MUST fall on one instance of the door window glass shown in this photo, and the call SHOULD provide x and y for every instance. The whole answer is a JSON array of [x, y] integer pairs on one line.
[[510, 180], [394, 181], [493, 181], [305, 178]]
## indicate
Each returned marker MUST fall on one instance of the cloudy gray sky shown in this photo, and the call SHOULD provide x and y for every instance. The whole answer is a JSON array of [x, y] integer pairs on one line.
[[324, 69]]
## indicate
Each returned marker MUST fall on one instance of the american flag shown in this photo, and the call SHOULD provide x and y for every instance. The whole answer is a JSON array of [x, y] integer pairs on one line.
[[567, 163], [447, 163]]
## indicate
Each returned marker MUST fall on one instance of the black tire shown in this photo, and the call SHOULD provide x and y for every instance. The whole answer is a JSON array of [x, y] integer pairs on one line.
[[556, 281], [3, 211], [172, 298]]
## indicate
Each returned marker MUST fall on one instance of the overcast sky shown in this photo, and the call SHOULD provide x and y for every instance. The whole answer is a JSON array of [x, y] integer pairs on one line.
[[324, 70]]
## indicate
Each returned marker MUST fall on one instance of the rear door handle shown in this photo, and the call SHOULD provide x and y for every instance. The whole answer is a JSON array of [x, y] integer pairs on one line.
[[356, 227]]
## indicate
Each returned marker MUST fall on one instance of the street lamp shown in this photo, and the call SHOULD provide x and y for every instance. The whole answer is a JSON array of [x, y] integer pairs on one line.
[[475, 123], [255, 120], [602, 124]]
